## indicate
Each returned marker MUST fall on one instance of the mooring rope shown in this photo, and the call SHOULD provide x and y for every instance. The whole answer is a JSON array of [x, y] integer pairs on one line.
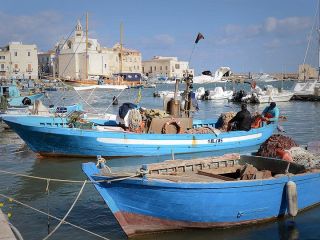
[[56, 218], [65, 216], [68, 180], [116, 98]]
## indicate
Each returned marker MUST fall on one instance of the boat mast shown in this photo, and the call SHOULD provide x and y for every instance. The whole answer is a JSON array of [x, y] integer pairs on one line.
[[87, 45], [121, 46]]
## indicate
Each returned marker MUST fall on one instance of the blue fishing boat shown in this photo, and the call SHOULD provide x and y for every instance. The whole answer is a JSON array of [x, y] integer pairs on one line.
[[14, 97], [49, 136], [203, 193]]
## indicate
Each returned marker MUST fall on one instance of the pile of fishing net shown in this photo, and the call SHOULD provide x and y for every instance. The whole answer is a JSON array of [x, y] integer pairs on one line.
[[203, 130], [279, 146], [224, 120], [304, 157], [277, 141]]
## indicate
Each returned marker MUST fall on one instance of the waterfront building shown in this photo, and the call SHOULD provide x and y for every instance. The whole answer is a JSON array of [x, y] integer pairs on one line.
[[307, 72], [168, 67], [101, 61], [19, 61], [48, 66]]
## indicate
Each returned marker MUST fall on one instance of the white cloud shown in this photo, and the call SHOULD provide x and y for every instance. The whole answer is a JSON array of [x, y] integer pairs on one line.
[[271, 27], [164, 39], [44, 28]]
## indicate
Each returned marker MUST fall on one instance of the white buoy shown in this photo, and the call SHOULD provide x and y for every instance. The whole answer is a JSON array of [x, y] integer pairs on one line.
[[292, 198]]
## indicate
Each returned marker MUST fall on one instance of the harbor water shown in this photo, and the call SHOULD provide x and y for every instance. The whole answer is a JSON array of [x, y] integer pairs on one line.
[[91, 213]]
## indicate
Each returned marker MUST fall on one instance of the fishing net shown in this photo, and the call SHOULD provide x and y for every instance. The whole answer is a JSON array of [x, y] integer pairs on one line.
[[276, 141], [134, 119], [304, 157], [224, 119]]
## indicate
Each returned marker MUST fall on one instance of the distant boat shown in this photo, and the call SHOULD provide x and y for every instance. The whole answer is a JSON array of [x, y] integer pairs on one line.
[[48, 137], [306, 88], [14, 97], [207, 77], [269, 94], [218, 94], [263, 77], [205, 193], [103, 86]]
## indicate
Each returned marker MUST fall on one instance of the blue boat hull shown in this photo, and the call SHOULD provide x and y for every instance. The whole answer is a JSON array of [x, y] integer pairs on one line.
[[17, 101], [55, 138], [143, 205]]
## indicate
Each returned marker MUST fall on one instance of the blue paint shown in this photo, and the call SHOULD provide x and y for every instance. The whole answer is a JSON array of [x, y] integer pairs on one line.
[[204, 203], [52, 136], [14, 97]]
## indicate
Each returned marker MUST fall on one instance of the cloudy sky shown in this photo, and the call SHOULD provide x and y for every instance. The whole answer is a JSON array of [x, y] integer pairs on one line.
[[247, 35]]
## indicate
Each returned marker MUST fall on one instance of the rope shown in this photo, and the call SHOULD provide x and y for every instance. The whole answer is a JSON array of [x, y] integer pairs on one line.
[[56, 218], [65, 216], [66, 180], [113, 101], [310, 35]]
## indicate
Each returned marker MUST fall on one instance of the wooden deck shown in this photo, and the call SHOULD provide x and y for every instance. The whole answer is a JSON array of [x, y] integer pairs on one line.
[[5, 230]]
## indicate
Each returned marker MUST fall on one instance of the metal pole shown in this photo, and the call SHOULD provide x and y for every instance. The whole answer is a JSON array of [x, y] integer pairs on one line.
[[86, 46]]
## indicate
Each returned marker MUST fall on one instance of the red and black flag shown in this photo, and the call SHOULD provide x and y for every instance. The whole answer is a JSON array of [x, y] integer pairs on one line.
[[199, 37]]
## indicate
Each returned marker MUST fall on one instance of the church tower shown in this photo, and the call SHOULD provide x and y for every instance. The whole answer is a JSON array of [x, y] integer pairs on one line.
[[78, 31]]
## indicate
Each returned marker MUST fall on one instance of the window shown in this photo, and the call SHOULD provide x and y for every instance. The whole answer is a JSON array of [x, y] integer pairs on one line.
[[155, 68], [177, 66], [16, 54], [2, 57], [29, 54], [160, 68], [167, 68], [2, 66], [16, 66], [151, 69], [142, 69], [105, 65], [29, 68]]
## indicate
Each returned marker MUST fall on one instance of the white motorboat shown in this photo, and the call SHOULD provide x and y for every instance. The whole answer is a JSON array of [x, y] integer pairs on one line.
[[269, 94], [306, 88], [208, 78], [218, 94], [263, 77]]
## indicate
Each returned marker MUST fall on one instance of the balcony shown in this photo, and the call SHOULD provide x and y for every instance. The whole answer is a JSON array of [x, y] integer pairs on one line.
[[16, 70]]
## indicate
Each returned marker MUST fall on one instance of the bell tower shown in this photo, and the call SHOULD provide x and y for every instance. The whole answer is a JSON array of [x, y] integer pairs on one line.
[[78, 30]]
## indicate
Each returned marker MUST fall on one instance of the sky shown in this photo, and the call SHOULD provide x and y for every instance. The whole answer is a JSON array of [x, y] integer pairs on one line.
[[246, 35]]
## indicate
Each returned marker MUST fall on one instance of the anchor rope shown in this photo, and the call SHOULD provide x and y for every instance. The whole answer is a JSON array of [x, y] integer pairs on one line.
[[66, 215], [54, 217]]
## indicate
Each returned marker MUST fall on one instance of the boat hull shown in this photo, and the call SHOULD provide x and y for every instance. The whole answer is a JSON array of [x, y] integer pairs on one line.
[[284, 97], [146, 205], [56, 138], [17, 101]]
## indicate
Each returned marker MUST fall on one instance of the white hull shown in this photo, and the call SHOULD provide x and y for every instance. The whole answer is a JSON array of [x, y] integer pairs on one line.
[[280, 97], [104, 86]]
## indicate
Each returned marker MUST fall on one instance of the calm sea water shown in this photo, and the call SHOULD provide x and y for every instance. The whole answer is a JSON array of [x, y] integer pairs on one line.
[[90, 211]]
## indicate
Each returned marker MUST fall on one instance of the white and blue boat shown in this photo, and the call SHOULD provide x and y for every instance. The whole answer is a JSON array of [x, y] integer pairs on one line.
[[205, 193], [14, 98], [54, 136]]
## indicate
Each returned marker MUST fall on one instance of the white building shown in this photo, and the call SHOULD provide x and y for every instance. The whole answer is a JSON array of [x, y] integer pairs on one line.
[[19, 61], [72, 63], [169, 67]]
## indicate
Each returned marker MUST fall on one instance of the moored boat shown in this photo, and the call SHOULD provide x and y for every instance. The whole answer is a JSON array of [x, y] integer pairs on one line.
[[203, 193], [47, 136]]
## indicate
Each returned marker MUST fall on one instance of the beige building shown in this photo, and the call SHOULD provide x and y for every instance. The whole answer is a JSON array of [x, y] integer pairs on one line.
[[169, 67], [101, 61], [19, 61], [307, 72]]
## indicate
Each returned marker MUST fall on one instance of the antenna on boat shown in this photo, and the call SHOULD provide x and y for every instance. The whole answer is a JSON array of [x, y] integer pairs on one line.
[[87, 16]]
